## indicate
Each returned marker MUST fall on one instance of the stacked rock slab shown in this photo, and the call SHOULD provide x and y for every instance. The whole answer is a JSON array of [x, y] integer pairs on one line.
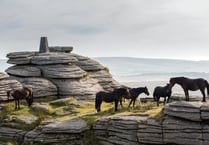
[[7, 84], [58, 72]]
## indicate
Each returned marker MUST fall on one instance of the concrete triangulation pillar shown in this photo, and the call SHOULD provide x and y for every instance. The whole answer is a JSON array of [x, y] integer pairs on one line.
[[43, 45]]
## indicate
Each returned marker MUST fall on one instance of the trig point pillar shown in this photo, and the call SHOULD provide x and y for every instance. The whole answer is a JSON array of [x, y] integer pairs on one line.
[[43, 45]]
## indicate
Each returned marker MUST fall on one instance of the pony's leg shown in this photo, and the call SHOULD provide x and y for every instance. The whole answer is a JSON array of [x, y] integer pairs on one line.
[[186, 94], [18, 103], [134, 102], [121, 102], [203, 94], [168, 99], [130, 103], [158, 99], [15, 104], [116, 105], [164, 100]]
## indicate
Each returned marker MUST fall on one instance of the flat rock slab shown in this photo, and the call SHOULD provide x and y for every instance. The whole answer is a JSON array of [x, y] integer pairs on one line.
[[66, 49], [185, 110], [87, 64], [23, 54], [24, 71], [62, 71], [182, 132], [20, 57], [55, 132], [52, 58]]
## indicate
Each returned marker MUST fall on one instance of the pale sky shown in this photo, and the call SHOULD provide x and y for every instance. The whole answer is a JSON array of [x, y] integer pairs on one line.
[[176, 29]]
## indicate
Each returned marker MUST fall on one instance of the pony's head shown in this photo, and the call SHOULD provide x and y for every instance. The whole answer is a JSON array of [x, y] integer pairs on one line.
[[146, 91]]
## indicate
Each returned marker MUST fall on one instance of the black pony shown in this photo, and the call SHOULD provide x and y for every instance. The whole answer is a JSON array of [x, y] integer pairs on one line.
[[114, 96], [134, 93], [19, 94], [162, 92], [191, 84]]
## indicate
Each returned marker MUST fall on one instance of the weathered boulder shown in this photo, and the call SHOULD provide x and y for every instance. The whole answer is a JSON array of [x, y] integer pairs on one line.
[[185, 110], [182, 132], [41, 87], [11, 133], [84, 88], [150, 132], [3, 76], [204, 112], [65, 49], [52, 58], [62, 71], [24, 71], [87, 64], [105, 79], [118, 130], [59, 132], [20, 57]]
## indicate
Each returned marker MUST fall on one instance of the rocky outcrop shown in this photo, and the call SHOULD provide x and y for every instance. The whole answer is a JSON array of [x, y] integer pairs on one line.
[[54, 132], [178, 126], [56, 71]]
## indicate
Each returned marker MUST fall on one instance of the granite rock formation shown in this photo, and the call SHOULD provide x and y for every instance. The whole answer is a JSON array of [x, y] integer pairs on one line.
[[55, 71]]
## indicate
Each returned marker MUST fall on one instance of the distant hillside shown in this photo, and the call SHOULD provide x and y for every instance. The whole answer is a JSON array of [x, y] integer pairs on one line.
[[136, 69], [3, 65]]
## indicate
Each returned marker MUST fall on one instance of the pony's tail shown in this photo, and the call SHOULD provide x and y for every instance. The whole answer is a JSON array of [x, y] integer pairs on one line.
[[207, 84], [98, 102]]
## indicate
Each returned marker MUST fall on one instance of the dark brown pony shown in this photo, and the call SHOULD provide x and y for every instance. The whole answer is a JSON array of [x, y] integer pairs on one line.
[[191, 84], [19, 94], [114, 96], [134, 93], [162, 92]]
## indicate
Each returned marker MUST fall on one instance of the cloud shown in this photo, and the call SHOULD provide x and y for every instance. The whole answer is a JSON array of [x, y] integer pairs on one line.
[[139, 28]]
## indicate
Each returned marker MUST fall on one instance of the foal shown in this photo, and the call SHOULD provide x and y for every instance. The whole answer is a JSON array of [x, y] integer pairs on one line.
[[162, 92]]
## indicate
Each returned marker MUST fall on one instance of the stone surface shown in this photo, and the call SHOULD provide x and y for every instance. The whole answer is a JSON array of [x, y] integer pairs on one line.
[[118, 130], [11, 133], [105, 79], [62, 71], [58, 132], [84, 88], [87, 64], [185, 110], [3, 76], [150, 132], [52, 58], [66, 49], [182, 132], [25, 71], [41, 87]]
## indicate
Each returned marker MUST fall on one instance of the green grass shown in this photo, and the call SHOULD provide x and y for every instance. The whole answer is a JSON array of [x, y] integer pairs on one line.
[[71, 109]]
